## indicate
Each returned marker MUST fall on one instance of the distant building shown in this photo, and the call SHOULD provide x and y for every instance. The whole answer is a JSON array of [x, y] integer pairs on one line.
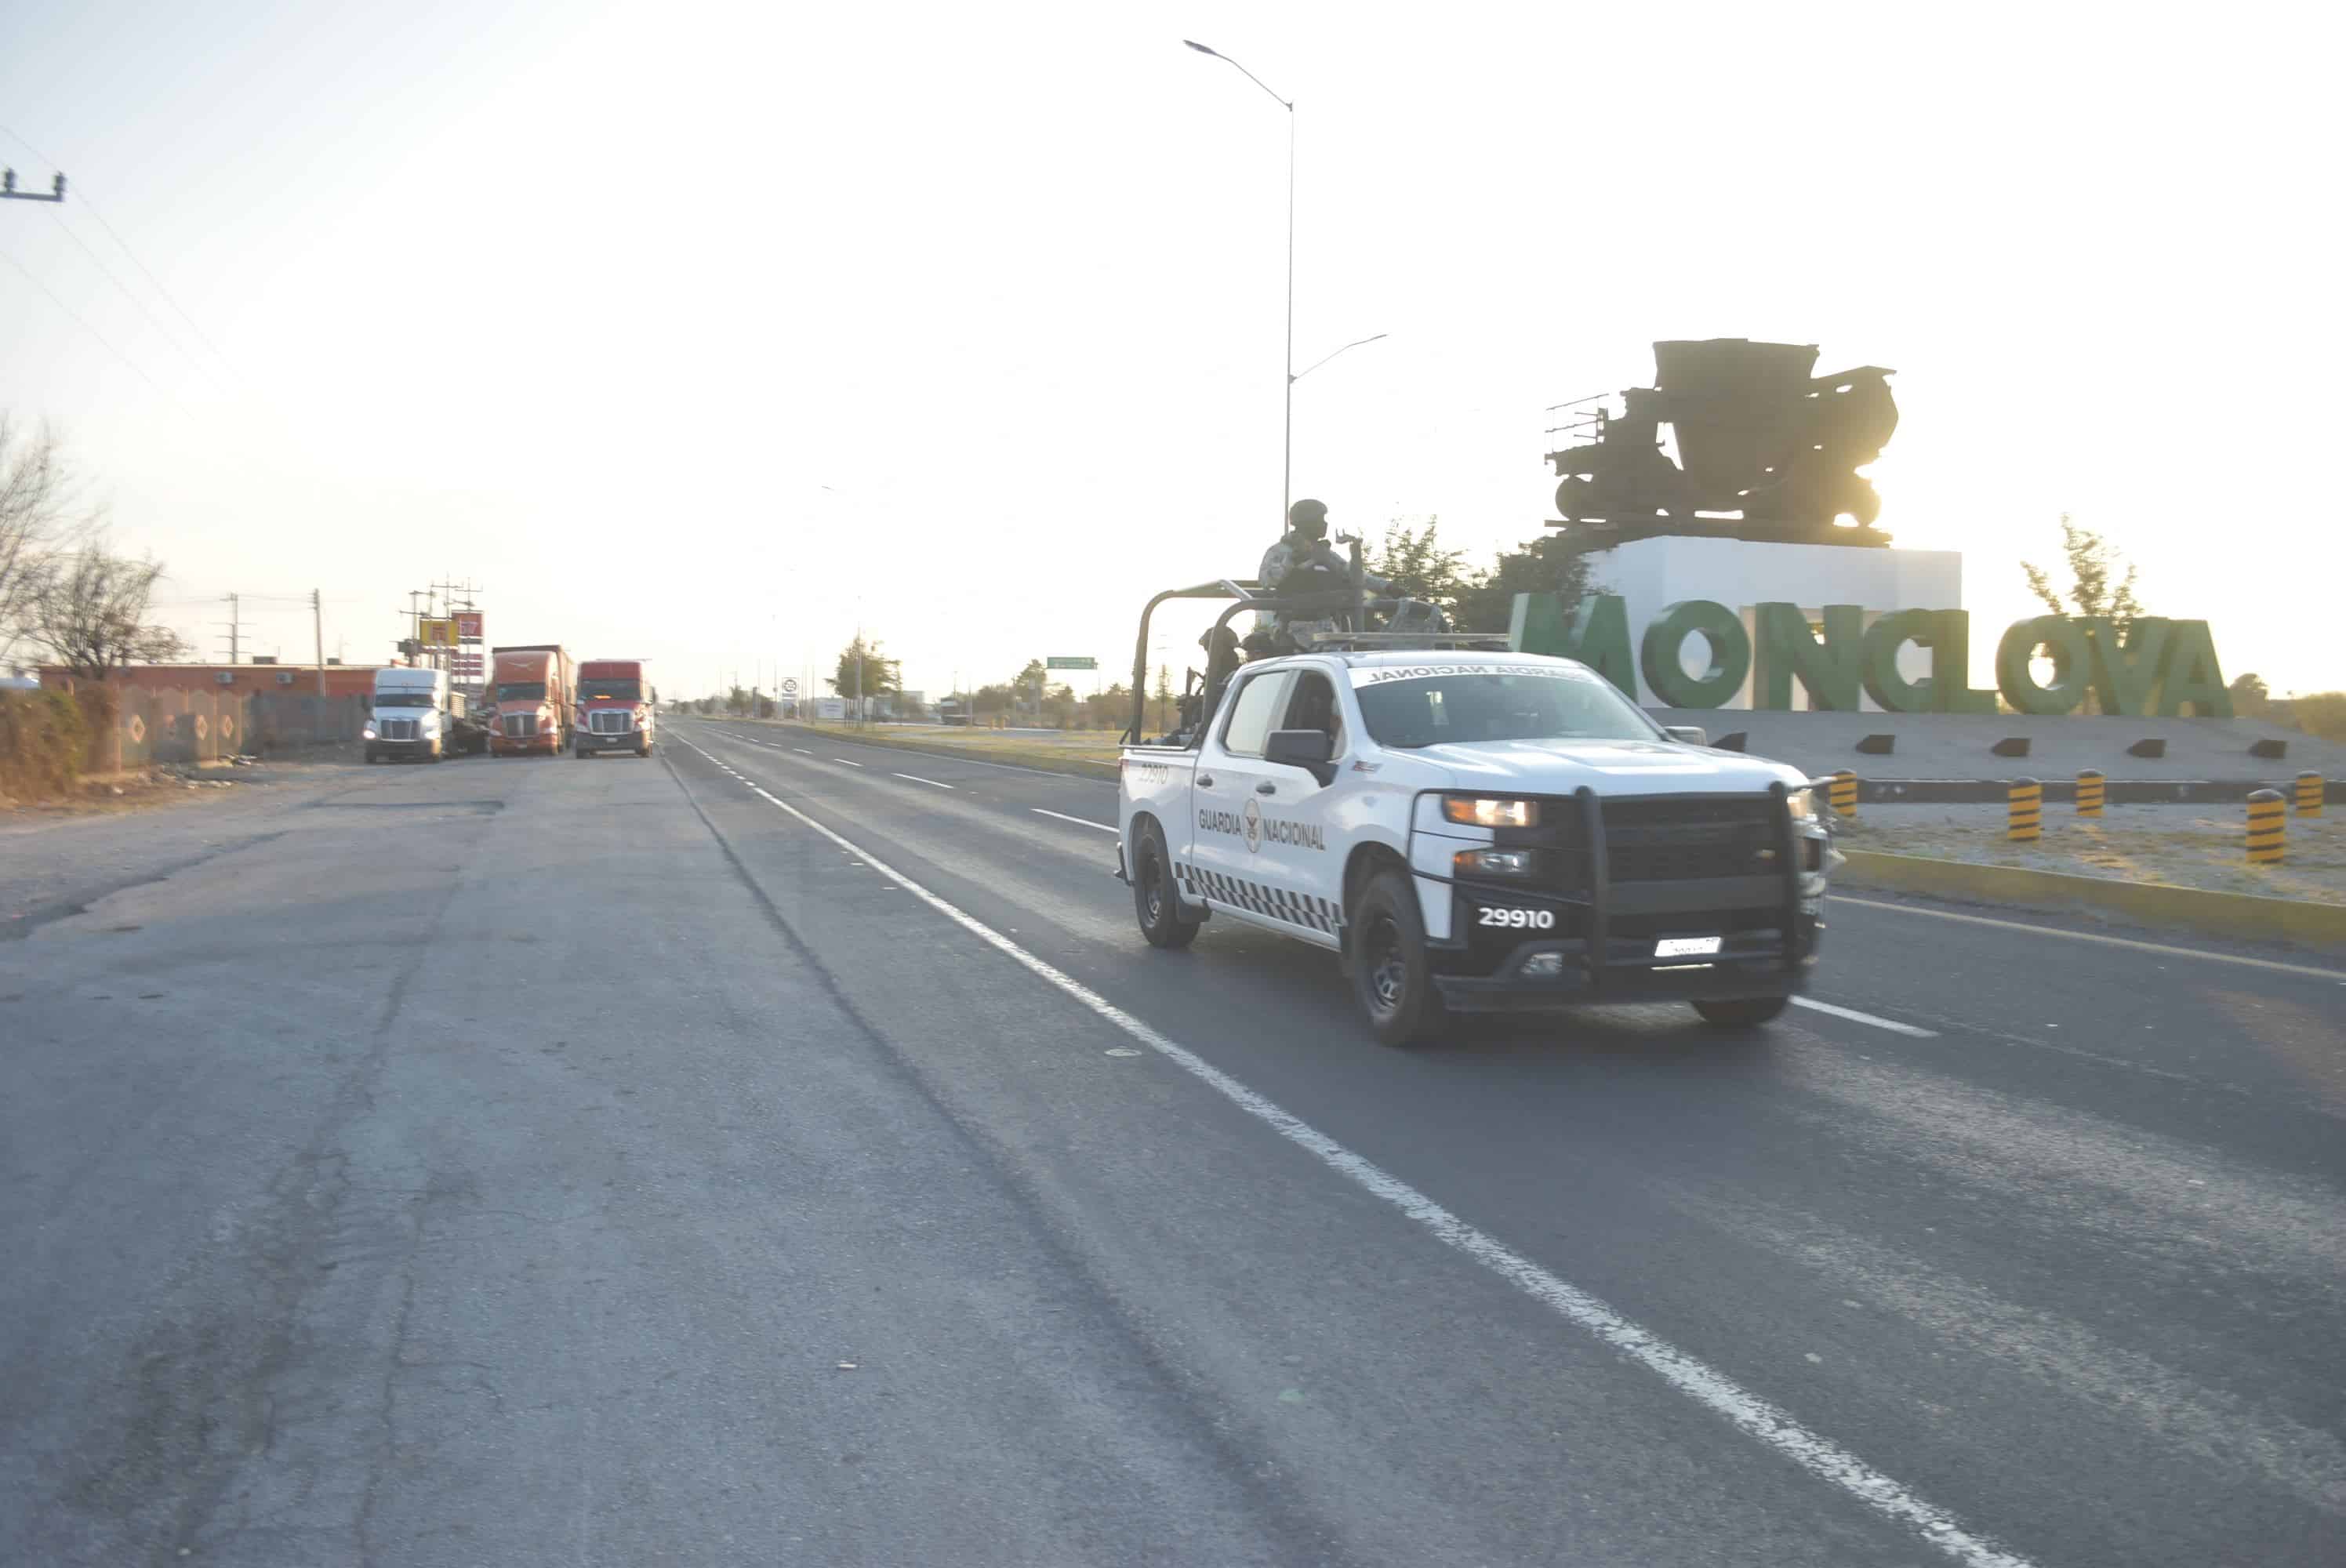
[[341, 680]]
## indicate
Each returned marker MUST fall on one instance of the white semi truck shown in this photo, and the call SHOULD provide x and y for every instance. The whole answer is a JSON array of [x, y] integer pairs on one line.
[[417, 715]]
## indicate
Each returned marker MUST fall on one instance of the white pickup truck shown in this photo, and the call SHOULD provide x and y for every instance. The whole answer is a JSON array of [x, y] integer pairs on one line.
[[1479, 832]]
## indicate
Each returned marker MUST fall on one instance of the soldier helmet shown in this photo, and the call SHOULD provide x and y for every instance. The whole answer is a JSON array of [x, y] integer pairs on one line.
[[1309, 515]]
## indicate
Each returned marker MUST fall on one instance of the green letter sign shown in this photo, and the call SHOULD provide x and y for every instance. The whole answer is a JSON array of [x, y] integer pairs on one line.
[[2073, 664], [1784, 648], [1731, 654], [2157, 666], [1597, 635]]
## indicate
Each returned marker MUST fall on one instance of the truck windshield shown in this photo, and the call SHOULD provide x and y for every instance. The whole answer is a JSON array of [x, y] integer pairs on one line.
[[1443, 706], [403, 700], [612, 690], [521, 691]]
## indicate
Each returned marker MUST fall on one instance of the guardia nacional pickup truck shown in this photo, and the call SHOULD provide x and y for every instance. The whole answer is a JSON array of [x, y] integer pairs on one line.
[[1477, 830]]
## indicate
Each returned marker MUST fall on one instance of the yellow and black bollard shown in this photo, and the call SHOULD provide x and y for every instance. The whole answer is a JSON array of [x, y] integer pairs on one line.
[[2090, 785], [2024, 813], [1843, 794], [2267, 826], [2310, 791]]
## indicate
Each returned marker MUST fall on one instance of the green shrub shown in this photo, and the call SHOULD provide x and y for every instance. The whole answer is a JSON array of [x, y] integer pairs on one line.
[[2323, 714], [44, 741]]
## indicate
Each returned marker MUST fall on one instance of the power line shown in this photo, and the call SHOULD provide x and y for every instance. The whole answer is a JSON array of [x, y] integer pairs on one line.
[[145, 271], [145, 309], [76, 317]]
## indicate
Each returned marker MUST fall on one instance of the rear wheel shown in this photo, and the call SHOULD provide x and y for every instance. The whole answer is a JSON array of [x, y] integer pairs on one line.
[[1154, 902], [1391, 973], [1743, 1011]]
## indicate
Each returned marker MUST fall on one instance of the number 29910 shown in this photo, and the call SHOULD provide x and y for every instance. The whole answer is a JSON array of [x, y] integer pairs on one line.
[[1520, 919]]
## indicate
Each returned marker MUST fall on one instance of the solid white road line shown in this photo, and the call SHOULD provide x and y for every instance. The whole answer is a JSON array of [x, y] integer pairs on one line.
[[1854, 1016], [1007, 766], [1743, 1410], [2139, 946], [918, 779], [848, 761], [1079, 822]]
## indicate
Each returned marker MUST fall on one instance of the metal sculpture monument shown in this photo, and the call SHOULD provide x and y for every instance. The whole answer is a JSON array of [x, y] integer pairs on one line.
[[1767, 450]]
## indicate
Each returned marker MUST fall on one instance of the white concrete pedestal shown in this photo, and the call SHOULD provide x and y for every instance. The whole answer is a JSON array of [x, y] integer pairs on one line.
[[1653, 574]]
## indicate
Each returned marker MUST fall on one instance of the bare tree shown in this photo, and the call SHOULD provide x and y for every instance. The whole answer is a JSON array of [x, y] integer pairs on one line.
[[2097, 585], [38, 518], [89, 609]]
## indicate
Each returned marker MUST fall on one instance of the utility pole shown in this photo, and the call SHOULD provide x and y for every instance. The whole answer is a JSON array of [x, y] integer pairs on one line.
[[318, 627], [8, 191], [231, 628]]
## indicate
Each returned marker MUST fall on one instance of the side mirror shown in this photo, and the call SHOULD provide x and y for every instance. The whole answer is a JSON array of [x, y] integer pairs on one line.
[[1692, 734], [1306, 749]]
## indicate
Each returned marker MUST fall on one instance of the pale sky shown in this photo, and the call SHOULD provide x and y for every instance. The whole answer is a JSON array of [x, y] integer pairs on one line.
[[703, 332]]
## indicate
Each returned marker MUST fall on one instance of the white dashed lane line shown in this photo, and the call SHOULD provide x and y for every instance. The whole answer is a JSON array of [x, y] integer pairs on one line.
[[1854, 1016], [918, 779], [848, 761], [1079, 822]]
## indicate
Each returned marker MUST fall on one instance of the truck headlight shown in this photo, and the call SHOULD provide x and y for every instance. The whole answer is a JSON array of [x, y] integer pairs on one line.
[[1804, 803], [366, 730], [1492, 863], [1480, 811]]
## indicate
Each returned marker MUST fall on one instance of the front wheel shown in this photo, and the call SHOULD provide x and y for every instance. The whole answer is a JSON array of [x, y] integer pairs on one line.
[[1391, 973], [1742, 1011], [1155, 901]]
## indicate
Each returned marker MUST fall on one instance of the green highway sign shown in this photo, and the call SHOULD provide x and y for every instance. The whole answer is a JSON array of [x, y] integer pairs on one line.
[[1085, 662]]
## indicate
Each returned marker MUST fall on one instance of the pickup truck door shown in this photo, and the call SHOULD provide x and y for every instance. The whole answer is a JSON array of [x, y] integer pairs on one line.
[[1262, 847]]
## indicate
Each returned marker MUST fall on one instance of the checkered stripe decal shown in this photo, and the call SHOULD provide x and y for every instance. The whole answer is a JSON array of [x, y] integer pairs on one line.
[[1296, 909]]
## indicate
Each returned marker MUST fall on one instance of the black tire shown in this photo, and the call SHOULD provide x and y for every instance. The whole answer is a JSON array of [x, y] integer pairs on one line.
[[1391, 973], [1742, 1011], [580, 752], [1156, 902]]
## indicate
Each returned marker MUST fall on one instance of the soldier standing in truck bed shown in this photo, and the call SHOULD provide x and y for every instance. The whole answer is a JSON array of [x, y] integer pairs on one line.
[[1304, 554]]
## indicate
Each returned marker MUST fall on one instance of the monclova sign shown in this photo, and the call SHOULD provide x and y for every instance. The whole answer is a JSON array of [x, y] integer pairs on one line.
[[2154, 667]]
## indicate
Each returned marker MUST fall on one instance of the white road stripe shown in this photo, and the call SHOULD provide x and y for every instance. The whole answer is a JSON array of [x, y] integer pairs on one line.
[[802, 751], [850, 764], [1079, 822], [1744, 1410], [2318, 973], [918, 779], [1854, 1016]]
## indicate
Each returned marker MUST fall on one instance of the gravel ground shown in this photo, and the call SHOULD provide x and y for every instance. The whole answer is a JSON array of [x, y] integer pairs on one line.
[[2182, 846]]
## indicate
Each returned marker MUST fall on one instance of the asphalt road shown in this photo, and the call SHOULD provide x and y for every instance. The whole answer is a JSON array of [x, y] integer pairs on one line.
[[786, 1151]]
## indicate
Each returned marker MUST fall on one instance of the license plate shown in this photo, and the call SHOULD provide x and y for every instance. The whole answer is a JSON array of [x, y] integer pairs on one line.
[[1685, 946]]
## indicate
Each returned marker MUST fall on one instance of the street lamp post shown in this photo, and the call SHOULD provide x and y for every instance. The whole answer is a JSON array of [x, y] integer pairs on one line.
[[1287, 461]]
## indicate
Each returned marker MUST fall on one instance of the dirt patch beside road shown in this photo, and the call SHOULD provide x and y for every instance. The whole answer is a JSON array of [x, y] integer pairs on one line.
[[2178, 845]]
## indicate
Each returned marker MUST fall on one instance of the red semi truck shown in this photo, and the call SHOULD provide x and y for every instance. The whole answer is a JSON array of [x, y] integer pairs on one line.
[[615, 707], [530, 693]]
